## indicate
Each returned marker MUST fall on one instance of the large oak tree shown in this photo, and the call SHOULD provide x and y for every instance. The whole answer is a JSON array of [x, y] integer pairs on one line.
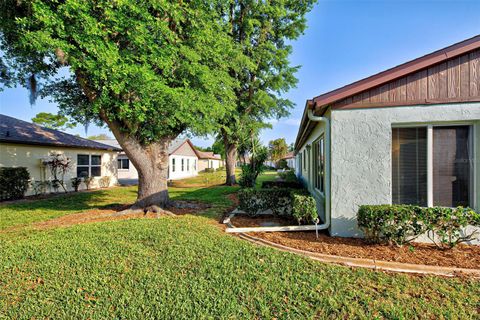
[[262, 29], [148, 69]]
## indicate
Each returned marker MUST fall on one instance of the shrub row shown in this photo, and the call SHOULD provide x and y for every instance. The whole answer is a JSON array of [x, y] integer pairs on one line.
[[282, 201], [13, 183], [401, 224]]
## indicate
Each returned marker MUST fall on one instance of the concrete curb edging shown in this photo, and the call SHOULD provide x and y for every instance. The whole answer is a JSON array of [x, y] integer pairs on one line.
[[365, 263]]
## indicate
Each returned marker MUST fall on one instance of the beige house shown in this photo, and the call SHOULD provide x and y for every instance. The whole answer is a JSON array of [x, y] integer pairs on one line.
[[208, 160], [23, 144]]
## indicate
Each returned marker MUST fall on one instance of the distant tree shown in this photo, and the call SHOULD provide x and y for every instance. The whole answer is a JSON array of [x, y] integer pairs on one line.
[[53, 121], [263, 30], [205, 149], [218, 147], [149, 70], [277, 149], [101, 136], [291, 147]]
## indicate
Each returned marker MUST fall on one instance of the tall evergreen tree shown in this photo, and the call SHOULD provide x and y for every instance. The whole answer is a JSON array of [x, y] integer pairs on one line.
[[149, 70], [262, 29]]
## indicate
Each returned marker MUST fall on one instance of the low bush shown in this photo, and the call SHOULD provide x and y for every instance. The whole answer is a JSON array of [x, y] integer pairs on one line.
[[282, 184], [104, 182], [209, 170], [75, 182], [13, 183], [88, 182], [288, 176], [283, 202], [41, 187], [401, 224], [304, 208]]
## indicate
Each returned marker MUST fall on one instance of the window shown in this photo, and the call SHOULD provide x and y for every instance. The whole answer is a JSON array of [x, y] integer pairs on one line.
[[304, 160], [451, 167], [188, 164], [195, 164], [123, 164], [89, 165], [300, 162], [173, 164], [319, 164], [183, 166]]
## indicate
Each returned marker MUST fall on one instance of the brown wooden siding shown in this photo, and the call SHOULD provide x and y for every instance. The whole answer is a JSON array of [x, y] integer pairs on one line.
[[455, 80]]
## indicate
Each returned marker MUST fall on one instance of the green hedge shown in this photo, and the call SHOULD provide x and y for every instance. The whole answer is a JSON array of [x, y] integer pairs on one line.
[[284, 202], [13, 183], [401, 224]]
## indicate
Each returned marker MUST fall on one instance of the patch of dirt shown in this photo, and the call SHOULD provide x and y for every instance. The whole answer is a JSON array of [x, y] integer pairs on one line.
[[101, 215], [462, 256]]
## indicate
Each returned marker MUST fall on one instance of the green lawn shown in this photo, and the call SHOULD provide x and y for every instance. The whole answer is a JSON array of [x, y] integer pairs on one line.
[[186, 267]]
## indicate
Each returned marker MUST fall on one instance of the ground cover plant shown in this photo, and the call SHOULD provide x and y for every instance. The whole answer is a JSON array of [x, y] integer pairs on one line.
[[187, 267]]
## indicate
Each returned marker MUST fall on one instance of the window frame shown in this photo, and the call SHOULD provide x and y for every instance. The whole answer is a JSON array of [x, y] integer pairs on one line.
[[89, 165], [318, 169], [173, 164], [430, 127], [182, 165], [121, 160]]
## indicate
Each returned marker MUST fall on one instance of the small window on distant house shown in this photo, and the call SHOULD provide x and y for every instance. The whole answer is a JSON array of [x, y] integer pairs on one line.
[[183, 165], [188, 164], [195, 164], [123, 164], [89, 165], [173, 164], [304, 160]]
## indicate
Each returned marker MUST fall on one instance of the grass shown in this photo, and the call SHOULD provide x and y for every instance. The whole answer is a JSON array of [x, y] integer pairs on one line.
[[187, 267]]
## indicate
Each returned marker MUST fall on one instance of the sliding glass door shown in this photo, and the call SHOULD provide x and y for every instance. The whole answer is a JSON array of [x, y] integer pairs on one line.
[[450, 172]]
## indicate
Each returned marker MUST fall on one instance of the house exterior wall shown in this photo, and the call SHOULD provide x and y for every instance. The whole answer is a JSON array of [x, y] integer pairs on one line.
[[361, 142], [188, 166], [209, 163], [361, 154], [127, 174], [30, 156]]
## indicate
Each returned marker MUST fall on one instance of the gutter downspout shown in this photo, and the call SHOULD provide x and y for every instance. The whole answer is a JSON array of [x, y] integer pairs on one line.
[[326, 121]]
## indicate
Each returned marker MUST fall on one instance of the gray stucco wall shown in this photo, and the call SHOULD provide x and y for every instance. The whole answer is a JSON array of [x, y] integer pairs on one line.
[[361, 154]]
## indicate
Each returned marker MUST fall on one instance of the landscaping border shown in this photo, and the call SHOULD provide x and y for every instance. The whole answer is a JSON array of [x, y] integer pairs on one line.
[[373, 264]]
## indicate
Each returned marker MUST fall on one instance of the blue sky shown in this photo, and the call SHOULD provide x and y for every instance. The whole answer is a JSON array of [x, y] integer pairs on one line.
[[345, 41]]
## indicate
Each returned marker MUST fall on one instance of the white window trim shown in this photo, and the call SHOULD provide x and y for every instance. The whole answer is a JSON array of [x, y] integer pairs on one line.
[[430, 126], [122, 169], [318, 191]]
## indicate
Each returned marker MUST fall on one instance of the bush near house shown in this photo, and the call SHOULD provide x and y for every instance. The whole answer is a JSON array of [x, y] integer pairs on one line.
[[13, 183], [401, 224], [283, 202]]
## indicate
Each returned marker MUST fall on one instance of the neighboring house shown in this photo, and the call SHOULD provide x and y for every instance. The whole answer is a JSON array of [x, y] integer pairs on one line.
[[408, 135], [24, 144], [290, 158], [208, 160], [183, 161]]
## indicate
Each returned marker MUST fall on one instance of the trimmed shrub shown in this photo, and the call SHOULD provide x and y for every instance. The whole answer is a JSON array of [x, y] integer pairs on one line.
[[75, 182], [209, 170], [446, 226], [304, 208], [104, 182], [281, 184], [397, 224], [288, 176], [401, 224], [283, 202], [254, 201], [13, 183]]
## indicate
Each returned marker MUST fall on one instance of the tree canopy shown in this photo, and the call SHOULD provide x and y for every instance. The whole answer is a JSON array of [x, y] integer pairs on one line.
[[101, 136], [262, 29], [154, 69], [53, 121], [278, 149]]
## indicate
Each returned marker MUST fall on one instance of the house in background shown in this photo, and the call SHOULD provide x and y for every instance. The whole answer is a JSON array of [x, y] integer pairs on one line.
[[407, 135], [24, 144], [290, 158], [208, 160], [183, 161]]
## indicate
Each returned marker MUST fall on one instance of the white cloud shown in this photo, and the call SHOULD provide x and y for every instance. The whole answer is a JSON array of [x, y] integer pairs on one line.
[[292, 122]]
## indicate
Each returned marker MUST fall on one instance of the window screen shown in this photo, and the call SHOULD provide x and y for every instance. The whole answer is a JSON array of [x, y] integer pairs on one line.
[[409, 166]]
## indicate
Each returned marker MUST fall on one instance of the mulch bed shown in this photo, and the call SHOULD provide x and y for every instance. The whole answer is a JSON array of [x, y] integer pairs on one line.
[[462, 256]]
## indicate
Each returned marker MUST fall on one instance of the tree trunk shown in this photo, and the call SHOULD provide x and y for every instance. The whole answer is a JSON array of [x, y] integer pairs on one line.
[[151, 162], [231, 159]]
